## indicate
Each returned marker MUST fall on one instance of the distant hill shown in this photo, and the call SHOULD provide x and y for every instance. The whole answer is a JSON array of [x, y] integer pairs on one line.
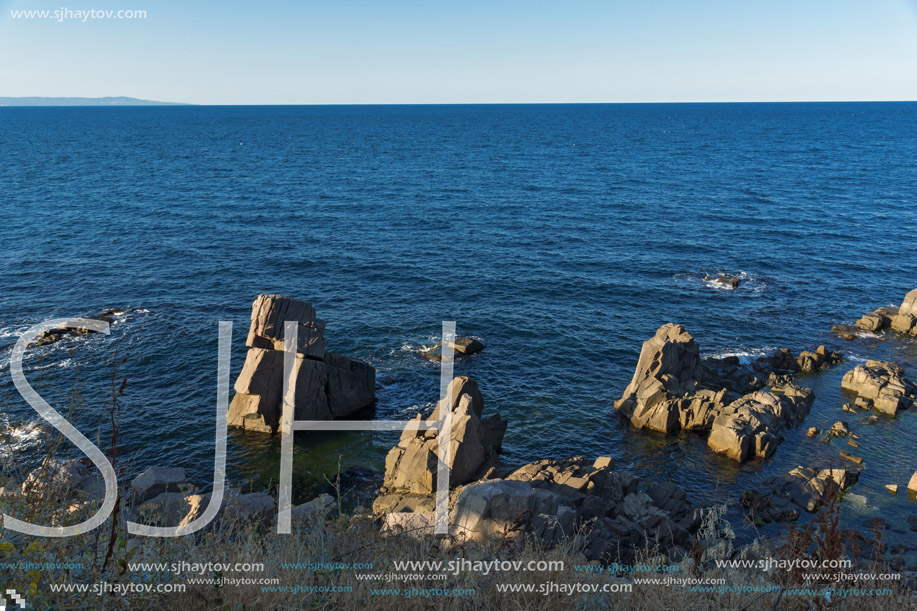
[[116, 101]]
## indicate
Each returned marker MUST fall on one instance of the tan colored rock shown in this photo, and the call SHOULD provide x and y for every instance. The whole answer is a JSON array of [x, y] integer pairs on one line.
[[912, 485], [326, 385], [893, 488], [880, 385], [904, 323], [270, 312], [876, 321], [411, 466], [753, 425], [466, 346], [668, 373], [909, 305]]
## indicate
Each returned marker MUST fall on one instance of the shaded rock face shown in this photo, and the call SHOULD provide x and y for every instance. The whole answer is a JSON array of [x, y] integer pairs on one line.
[[753, 425], [411, 466], [802, 489], [881, 386], [326, 385], [155, 481]]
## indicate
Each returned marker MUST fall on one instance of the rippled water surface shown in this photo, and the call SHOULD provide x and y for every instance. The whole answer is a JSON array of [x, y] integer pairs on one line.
[[562, 236]]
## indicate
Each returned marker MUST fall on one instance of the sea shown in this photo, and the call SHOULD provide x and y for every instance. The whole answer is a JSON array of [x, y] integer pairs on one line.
[[561, 236]]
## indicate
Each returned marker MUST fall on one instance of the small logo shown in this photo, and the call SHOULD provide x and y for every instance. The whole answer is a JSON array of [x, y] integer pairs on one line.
[[17, 600]]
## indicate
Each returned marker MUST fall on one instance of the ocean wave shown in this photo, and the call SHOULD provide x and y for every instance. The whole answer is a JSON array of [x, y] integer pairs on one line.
[[19, 437], [745, 355]]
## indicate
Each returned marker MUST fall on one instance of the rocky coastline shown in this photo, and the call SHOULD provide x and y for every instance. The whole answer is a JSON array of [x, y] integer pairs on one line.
[[744, 409]]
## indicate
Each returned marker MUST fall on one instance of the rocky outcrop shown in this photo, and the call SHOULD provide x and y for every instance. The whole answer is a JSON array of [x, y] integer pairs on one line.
[[753, 425], [673, 388], [547, 501], [550, 500], [663, 394], [326, 385], [411, 466], [802, 489], [881, 386], [905, 321], [912, 485], [877, 320], [902, 319]]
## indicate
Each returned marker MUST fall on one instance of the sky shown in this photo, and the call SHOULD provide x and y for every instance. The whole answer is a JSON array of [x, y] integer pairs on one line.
[[497, 51]]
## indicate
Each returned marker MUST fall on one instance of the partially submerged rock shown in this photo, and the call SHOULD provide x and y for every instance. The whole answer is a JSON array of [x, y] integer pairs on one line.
[[462, 346], [411, 466], [902, 319], [753, 425], [802, 489], [663, 394], [326, 385], [881, 386]]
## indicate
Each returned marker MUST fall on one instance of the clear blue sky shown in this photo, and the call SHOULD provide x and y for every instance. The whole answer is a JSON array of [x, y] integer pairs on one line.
[[397, 51]]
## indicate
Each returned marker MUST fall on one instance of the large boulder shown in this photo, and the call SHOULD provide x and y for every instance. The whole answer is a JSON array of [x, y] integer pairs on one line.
[[802, 489], [877, 320], [155, 481], [60, 480], [753, 425], [411, 466], [669, 370], [905, 321], [326, 385], [880, 385]]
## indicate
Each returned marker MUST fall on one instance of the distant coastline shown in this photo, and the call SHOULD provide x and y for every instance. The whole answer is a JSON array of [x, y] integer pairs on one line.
[[107, 101]]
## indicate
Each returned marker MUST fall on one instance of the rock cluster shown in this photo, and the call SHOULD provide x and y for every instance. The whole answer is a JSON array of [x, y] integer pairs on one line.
[[902, 319], [52, 336], [673, 388], [781, 498], [326, 385], [880, 385], [753, 425], [546, 500]]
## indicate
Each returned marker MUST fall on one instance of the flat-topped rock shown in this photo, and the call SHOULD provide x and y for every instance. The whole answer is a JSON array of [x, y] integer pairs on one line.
[[753, 425], [880, 385]]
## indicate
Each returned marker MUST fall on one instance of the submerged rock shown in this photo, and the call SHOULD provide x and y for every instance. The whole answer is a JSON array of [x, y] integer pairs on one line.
[[880, 385], [326, 385]]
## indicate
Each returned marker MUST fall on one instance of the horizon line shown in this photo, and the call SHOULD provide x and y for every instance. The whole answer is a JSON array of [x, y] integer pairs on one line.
[[148, 103]]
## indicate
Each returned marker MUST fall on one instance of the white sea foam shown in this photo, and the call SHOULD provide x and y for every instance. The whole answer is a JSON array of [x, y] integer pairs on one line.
[[745, 355]]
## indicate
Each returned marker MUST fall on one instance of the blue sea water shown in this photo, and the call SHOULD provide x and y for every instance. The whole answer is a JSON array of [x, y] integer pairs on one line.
[[561, 235]]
